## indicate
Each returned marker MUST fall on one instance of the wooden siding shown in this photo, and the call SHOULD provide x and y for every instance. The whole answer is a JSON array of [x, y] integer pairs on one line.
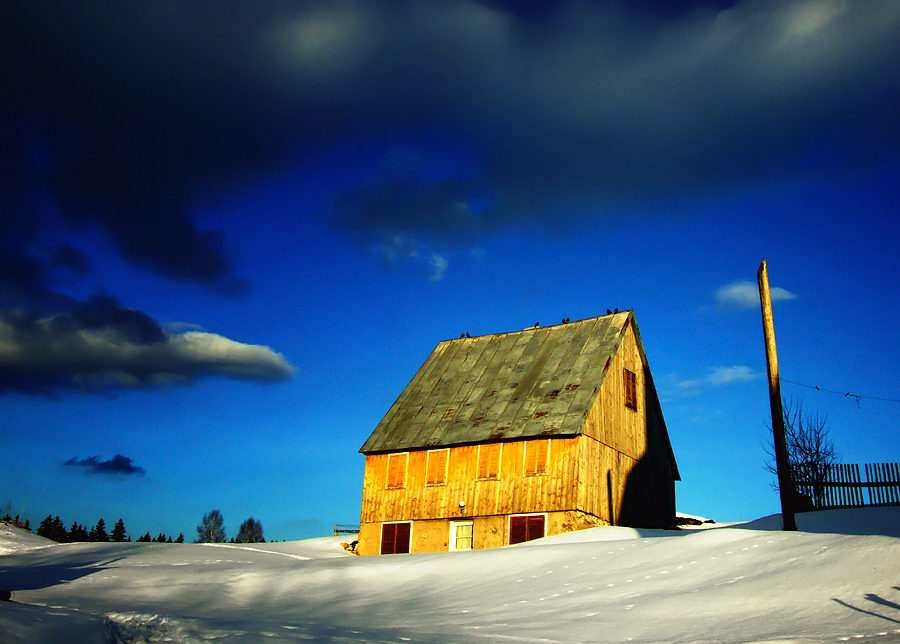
[[602, 479], [512, 493], [583, 474], [609, 421]]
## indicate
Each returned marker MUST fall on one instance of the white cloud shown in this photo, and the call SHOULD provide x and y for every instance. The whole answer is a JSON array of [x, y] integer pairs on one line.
[[398, 248], [725, 375], [438, 267], [745, 295], [718, 376]]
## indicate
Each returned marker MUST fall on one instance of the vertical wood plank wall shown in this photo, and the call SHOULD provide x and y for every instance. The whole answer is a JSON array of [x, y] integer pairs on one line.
[[512, 492], [610, 421], [615, 437]]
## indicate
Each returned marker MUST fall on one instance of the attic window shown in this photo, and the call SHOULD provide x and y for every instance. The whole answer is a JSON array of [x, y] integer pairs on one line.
[[437, 467], [396, 471], [536, 457], [630, 383], [489, 461]]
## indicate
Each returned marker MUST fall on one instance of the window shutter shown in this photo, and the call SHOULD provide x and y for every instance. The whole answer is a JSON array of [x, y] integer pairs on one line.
[[630, 384], [437, 467], [489, 461], [402, 542], [396, 475], [534, 527], [517, 533], [536, 457], [388, 536]]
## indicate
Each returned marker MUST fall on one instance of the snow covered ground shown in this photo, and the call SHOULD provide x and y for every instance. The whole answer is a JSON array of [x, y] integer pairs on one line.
[[836, 580]]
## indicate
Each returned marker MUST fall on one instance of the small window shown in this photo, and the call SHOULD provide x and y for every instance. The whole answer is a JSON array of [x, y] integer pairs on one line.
[[461, 535], [526, 527], [437, 467], [536, 457], [395, 538], [630, 390], [489, 461], [396, 474]]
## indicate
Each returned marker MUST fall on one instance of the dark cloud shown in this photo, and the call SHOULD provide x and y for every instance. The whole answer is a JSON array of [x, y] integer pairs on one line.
[[126, 117], [100, 346], [116, 465], [591, 108]]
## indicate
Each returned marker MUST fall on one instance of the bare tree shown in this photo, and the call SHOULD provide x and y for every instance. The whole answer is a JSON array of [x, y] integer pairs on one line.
[[810, 452]]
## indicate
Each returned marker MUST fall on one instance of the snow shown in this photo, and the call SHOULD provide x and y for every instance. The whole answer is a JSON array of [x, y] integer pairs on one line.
[[835, 580]]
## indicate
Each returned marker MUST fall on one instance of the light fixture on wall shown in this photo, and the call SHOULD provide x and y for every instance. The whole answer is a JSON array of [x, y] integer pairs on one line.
[[462, 507]]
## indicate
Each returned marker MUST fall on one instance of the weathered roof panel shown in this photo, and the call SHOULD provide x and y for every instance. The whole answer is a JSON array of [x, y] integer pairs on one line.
[[523, 384]]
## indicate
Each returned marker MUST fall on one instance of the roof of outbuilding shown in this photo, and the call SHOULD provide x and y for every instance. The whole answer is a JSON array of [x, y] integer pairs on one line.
[[507, 386]]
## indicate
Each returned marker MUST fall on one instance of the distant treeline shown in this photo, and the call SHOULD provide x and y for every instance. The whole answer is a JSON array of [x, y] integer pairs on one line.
[[210, 530], [53, 528]]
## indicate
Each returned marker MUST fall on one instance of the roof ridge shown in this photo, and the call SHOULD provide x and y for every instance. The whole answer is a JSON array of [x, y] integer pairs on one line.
[[537, 328]]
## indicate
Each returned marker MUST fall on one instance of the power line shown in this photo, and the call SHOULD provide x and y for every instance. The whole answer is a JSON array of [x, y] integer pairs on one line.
[[845, 394]]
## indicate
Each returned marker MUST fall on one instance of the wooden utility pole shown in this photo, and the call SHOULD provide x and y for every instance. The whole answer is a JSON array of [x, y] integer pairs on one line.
[[782, 463]]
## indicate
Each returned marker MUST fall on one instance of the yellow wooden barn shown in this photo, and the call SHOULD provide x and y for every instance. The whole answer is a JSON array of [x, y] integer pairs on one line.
[[504, 438]]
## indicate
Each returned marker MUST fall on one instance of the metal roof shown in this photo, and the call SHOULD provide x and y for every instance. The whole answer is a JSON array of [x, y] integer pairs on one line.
[[507, 386]]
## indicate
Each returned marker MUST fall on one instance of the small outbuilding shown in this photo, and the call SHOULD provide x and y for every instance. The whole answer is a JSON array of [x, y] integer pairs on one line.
[[505, 438]]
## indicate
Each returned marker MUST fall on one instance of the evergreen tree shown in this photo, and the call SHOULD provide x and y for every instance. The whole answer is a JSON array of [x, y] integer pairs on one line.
[[161, 538], [45, 528], [52, 528], [211, 528], [251, 531], [180, 538], [118, 531], [146, 538], [16, 521], [78, 533], [98, 532]]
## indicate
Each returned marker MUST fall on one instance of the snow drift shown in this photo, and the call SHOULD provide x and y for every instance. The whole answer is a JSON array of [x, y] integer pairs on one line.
[[837, 579]]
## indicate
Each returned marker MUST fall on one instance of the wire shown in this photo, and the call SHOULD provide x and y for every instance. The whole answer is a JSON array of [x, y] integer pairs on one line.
[[832, 391]]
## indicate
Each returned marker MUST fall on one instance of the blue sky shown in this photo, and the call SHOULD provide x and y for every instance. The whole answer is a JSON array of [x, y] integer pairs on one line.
[[231, 235]]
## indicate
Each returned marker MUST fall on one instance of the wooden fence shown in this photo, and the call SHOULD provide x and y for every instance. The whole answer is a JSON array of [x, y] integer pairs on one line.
[[345, 529], [841, 486]]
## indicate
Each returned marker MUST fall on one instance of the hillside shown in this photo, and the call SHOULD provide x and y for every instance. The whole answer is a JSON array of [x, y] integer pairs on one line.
[[838, 579]]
